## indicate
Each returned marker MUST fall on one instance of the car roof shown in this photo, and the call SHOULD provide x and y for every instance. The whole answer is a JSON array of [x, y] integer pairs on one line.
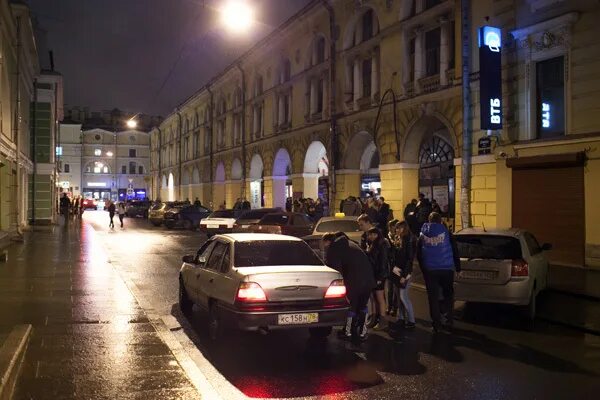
[[515, 232], [254, 237], [325, 219]]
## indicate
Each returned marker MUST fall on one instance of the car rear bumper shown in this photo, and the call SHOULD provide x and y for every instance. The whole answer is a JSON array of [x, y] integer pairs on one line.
[[215, 231], [515, 291], [255, 320]]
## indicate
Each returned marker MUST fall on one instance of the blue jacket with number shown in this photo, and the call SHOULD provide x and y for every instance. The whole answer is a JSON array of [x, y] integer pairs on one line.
[[436, 249]]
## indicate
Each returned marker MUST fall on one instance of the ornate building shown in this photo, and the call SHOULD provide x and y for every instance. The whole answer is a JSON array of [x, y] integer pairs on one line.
[[380, 109]]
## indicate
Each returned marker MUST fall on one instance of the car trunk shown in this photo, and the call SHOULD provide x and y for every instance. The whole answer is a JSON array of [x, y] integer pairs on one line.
[[291, 283], [491, 272], [216, 222]]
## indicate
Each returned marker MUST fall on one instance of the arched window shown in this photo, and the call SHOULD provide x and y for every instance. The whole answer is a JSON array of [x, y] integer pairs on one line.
[[435, 150]]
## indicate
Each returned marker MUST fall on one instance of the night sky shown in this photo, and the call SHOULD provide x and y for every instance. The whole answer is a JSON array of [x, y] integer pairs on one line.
[[118, 53]]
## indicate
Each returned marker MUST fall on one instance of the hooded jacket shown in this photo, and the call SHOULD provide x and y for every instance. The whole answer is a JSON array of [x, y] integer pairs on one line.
[[437, 249], [354, 265]]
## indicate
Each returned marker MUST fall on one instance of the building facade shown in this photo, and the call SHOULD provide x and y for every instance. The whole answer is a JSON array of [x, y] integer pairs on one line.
[[70, 150], [380, 110]]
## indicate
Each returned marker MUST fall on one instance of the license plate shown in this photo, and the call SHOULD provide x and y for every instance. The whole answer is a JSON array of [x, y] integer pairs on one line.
[[480, 275], [212, 226], [245, 226], [297, 319]]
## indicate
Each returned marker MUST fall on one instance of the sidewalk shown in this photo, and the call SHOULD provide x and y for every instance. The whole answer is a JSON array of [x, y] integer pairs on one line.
[[91, 339]]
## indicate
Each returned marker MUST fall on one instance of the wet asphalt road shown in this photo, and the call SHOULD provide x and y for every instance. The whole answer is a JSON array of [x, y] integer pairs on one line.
[[491, 355]]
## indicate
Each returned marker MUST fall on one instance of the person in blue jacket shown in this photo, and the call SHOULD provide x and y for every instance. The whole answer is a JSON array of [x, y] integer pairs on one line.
[[438, 257]]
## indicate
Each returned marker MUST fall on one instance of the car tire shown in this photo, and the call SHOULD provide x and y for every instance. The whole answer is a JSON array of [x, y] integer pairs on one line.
[[321, 332], [185, 304], [214, 326]]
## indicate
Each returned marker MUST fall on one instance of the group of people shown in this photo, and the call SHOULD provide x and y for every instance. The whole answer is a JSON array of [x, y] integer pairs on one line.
[[375, 207], [115, 208], [315, 209], [384, 260], [71, 208]]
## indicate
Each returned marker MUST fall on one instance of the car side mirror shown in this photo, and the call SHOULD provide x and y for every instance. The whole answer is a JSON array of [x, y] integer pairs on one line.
[[201, 260], [189, 259], [546, 247]]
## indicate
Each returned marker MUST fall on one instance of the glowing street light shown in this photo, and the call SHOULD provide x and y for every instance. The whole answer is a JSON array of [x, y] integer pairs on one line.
[[109, 153], [132, 123], [237, 16]]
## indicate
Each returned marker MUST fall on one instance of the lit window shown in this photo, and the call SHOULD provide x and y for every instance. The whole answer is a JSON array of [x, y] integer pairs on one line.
[[59, 150], [96, 170], [97, 152]]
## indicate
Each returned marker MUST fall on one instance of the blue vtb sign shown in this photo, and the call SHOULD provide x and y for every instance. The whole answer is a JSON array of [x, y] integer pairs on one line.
[[490, 77]]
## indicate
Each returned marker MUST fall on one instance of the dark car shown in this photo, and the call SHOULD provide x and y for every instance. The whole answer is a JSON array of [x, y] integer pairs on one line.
[[284, 223], [137, 208], [185, 216], [252, 217]]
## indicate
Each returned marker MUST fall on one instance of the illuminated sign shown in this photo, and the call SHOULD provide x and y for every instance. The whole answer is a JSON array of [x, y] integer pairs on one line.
[[96, 184], [59, 150], [490, 77], [546, 115]]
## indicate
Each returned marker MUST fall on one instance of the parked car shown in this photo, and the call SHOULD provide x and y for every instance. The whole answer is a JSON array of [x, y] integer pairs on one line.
[[258, 282], [156, 213], [252, 217], [348, 225], [185, 216], [501, 266], [219, 222], [90, 204], [284, 223], [137, 208]]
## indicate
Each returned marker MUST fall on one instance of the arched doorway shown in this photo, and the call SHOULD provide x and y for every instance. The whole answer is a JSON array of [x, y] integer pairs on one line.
[[219, 186], [436, 171], [362, 155], [256, 182], [316, 172], [171, 188], [282, 183]]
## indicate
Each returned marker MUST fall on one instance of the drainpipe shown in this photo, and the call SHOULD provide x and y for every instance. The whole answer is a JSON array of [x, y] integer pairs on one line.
[[243, 127], [210, 139], [467, 148], [16, 130], [332, 108], [178, 111], [34, 155], [159, 183]]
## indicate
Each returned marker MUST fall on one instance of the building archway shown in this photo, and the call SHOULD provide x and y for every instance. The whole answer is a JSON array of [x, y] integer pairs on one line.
[[219, 186], [282, 175], [362, 156], [316, 172], [236, 169], [171, 188], [431, 145], [257, 187]]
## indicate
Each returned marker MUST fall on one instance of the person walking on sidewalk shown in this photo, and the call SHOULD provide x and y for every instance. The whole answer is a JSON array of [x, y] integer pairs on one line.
[[438, 256], [404, 247], [65, 206], [111, 213], [347, 257], [121, 211], [378, 252]]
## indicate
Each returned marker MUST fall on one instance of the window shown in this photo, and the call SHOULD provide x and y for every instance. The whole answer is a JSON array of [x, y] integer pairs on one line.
[[141, 170], [97, 152], [264, 253], [367, 25], [123, 169], [67, 168], [366, 78], [214, 261], [132, 167], [206, 249], [412, 59], [432, 52], [226, 261], [550, 98], [258, 89], [98, 137], [96, 170], [105, 170], [59, 150], [287, 71], [320, 50], [532, 244], [132, 153], [494, 247]]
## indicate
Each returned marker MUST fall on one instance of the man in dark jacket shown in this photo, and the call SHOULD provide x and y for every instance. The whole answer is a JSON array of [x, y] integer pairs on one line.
[[346, 256], [422, 211], [384, 212], [410, 208], [438, 257]]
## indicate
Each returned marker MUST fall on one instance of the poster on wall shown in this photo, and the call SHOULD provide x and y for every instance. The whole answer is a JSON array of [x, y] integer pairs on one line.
[[426, 190], [255, 194], [440, 194]]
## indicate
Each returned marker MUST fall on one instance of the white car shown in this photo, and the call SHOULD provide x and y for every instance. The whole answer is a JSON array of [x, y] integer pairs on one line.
[[261, 282], [218, 222], [501, 266]]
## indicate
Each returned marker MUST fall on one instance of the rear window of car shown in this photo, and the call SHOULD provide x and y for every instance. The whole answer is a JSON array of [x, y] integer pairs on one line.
[[256, 214], [222, 214], [265, 253], [342, 225], [275, 219], [495, 247]]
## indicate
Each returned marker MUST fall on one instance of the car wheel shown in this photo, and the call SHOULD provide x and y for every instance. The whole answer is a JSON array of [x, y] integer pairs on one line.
[[185, 304], [214, 323], [321, 332]]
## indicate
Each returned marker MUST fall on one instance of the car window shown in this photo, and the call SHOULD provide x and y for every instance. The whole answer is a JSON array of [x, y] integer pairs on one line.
[[214, 262], [226, 260], [301, 220], [532, 244], [222, 214], [263, 253], [206, 249], [203, 210], [258, 214], [275, 219], [340, 225], [495, 247]]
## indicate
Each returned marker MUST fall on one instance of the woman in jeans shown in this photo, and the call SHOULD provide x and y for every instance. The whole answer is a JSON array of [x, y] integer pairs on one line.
[[404, 247]]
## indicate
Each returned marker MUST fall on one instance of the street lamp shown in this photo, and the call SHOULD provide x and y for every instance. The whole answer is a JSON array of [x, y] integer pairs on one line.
[[132, 123], [237, 16], [109, 153]]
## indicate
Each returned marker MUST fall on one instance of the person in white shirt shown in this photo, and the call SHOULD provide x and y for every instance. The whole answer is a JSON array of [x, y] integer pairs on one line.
[[121, 211]]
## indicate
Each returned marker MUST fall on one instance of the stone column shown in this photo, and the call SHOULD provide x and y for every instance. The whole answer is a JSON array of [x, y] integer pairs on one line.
[[298, 183], [357, 87], [268, 194], [218, 194], [444, 50], [347, 184], [278, 196], [419, 57], [399, 184], [311, 185]]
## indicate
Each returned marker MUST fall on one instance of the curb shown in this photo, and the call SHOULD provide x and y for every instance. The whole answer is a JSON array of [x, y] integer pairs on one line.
[[12, 355]]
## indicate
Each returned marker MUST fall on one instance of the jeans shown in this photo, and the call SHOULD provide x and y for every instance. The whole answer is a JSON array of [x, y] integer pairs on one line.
[[121, 219], [111, 215], [440, 281], [406, 308]]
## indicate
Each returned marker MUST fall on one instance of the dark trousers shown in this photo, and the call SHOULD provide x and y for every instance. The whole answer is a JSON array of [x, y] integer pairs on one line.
[[111, 215], [121, 219], [440, 281], [358, 310]]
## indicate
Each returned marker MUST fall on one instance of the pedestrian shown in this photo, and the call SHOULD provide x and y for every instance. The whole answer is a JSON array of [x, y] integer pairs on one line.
[[319, 209], [76, 207], [197, 202], [422, 211], [364, 224], [121, 211], [111, 213], [404, 248], [372, 211], [347, 257], [384, 215], [245, 204], [351, 207], [410, 208], [435, 207], [378, 252], [392, 298], [438, 257], [65, 206]]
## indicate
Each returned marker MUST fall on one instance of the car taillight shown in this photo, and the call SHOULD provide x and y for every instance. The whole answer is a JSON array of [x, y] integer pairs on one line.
[[519, 268], [336, 290], [250, 292]]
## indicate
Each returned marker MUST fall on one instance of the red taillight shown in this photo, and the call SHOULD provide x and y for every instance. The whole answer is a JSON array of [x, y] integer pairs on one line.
[[336, 290], [519, 268], [251, 292]]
